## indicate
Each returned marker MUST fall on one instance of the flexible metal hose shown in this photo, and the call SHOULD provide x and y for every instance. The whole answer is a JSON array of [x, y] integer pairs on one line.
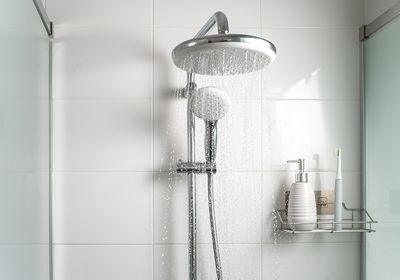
[[213, 225]]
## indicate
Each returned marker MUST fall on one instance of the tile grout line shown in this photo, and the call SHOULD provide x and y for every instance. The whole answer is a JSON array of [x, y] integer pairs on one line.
[[168, 172], [122, 98], [289, 243]]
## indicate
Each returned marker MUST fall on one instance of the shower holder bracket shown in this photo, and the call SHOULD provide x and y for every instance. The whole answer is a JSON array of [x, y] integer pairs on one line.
[[195, 167], [187, 91]]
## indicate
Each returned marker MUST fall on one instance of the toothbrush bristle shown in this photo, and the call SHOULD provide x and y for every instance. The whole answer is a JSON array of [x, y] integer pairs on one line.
[[338, 151]]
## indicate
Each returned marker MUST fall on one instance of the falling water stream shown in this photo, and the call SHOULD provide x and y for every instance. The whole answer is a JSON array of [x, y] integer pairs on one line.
[[238, 182]]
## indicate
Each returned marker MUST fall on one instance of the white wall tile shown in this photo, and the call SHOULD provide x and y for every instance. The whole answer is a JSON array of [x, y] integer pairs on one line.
[[239, 135], [313, 64], [100, 12], [312, 13], [170, 208], [330, 261], [103, 208], [238, 262], [169, 133], [311, 130], [103, 135], [274, 186], [167, 77], [98, 262], [24, 201], [237, 204], [20, 262], [194, 14], [102, 63]]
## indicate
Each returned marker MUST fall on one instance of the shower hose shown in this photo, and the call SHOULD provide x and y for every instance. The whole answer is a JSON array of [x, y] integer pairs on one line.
[[213, 225]]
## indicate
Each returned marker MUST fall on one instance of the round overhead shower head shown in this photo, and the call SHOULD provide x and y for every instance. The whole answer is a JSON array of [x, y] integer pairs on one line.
[[224, 54], [210, 103]]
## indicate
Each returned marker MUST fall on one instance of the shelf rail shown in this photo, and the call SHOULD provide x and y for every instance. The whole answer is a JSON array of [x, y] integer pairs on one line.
[[349, 224]]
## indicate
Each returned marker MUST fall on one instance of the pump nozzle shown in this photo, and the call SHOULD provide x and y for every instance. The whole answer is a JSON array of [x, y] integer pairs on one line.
[[301, 176]]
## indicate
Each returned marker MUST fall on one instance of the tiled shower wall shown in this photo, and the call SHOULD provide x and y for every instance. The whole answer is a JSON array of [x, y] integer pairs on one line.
[[120, 214]]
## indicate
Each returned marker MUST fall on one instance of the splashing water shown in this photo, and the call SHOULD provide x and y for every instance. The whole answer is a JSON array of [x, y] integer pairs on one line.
[[224, 61], [239, 149]]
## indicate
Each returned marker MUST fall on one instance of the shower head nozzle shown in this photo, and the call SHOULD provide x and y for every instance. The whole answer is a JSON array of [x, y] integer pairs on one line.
[[210, 103]]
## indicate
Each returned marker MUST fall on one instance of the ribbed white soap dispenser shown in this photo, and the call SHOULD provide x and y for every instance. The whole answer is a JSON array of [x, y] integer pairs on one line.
[[302, 208]]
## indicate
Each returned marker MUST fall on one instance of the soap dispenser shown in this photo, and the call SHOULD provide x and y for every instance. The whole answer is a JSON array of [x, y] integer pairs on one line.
[[302, 208]]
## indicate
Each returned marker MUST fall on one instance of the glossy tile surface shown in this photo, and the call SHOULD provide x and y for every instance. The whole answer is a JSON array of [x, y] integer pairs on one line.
[[317, 64], [103, 262], [102, 63], [100, 13], [312, 130], [194, 14], [91, 208], [312, 13], [101, 135], [312, 261]]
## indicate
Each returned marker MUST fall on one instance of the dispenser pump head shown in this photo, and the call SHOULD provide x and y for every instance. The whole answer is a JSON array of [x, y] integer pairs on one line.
[[301, 177]]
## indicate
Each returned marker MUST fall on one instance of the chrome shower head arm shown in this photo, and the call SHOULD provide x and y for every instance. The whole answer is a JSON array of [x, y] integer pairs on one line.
[[219, 19]]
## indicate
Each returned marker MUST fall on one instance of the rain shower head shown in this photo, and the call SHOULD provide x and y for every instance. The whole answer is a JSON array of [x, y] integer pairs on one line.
[[224, 54]]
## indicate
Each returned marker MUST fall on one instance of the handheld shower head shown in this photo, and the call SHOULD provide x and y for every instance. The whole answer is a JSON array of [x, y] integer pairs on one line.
[[210, 104]]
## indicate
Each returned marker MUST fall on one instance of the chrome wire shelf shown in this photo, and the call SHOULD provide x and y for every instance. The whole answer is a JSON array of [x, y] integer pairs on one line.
[[348, 225]]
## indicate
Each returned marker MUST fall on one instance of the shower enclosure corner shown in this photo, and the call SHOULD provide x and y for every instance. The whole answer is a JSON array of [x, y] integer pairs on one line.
[[25, 165]]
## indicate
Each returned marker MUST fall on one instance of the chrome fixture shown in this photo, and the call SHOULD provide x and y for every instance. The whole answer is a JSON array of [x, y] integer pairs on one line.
[[211, 104], [44, 17], [366, 31], [222, 54]]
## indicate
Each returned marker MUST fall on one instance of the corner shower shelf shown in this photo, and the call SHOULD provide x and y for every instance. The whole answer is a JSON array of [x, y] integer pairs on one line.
[[349, 225]]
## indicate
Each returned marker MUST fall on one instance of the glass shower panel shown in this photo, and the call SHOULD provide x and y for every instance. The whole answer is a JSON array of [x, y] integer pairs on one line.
[[382, 151], [24, 143]]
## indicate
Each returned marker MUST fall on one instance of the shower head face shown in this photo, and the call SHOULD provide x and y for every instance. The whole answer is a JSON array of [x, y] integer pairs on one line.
[[224, 54], [210, 104]]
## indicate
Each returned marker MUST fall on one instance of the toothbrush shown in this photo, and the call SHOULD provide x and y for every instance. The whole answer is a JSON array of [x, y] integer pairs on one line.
[[338, 191]]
